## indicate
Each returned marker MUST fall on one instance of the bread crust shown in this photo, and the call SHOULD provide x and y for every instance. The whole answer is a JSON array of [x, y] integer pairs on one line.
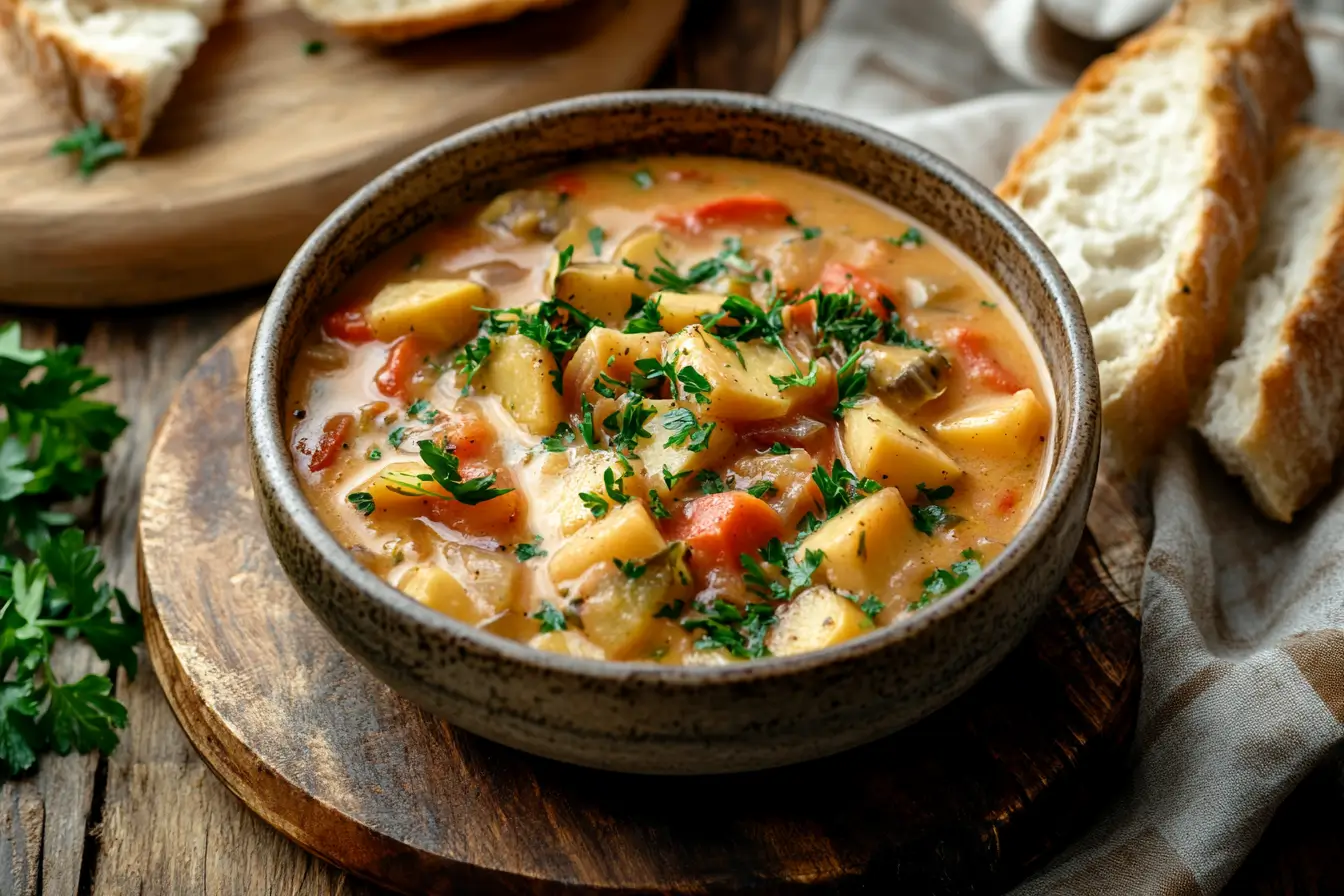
[[1156, 397], [73, 81], [1287, 454], [408, 24]]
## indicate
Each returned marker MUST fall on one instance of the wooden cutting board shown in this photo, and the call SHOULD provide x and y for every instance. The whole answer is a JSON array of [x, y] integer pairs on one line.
[[262, 141], [967, 801]]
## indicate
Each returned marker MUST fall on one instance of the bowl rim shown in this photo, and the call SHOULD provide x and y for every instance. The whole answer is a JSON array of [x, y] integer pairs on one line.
[[271, 456]]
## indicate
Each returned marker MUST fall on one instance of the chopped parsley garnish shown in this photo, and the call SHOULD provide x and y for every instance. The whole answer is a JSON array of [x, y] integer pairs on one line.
[[634, 267], [649, 372], [779, 448], [603, 386], [985, 303], [693, 384], [643, 179], [564, 434], [671, 611], [911, 237], [472, 358], [796, 379], [422, 410], [396, 437], [595, 237], [375, 454], [941, 581], [671, 479], [562, 262], [739, 631], [529, 550], [851, 380], [686, 430], [761, 489], [710, 482], [630, 428], [809, 233], [649, 319], [586, 422], [552, 620], [756, 323], [443, 471], [840, 488], [615, 486], [596, 504], [869, 606], [630, 568], [362, 501], [657, 507], [729, 262], [844, 318], [93, 146], [931, 516]]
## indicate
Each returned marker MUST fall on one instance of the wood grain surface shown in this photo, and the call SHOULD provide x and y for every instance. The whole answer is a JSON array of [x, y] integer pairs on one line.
[[152, 819], [261, 141], [971, 798]]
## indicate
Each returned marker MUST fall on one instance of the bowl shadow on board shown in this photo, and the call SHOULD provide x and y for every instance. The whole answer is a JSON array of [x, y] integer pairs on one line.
[[977, 794]]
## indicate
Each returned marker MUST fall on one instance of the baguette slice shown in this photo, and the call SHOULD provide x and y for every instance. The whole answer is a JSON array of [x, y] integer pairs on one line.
[[115, 62], [1274, 414], [391, 21], [1147, 183]]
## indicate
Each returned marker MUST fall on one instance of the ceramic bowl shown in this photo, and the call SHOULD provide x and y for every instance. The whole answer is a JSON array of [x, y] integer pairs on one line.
[[642, 717]]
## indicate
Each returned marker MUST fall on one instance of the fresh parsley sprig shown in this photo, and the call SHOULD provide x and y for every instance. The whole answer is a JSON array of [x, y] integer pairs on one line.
[[444, 472]]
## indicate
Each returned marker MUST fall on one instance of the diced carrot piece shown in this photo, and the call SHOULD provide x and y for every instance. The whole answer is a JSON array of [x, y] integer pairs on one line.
[[720, 528], [1007, 501], [752, 210], [568, 183], [973, 349], [840, 277], [491, 517], [336, 433], [348, 325], [404, 360], [468, 434], [801, 315]]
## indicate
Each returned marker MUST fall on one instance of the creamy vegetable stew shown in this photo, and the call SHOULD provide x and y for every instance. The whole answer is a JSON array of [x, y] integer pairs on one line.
[[687, 410]]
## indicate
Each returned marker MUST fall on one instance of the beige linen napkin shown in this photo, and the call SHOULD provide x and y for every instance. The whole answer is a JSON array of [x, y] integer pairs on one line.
[[1243, 620]]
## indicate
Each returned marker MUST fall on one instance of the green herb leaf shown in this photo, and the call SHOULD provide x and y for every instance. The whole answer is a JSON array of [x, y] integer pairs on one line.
[[564, 435], [563, 262], [693, 384], [657, 507], [595, 237], [851, 381], [615, 486], [643, 179], [472, 358], [529, 550], [671, 479], [911, 237], [710, 482], [796, 379], [630, 568], [761, 489], [740, 632], [779, 448], [397, 436], [586, 422], [633, 417], [941, 581], [649, 319], [596, 504], [362, 501], [671, 611], [444, 472], [552, 620], [92, 145]]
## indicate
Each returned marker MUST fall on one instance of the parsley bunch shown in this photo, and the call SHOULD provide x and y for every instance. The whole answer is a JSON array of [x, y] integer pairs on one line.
[[50, 583]]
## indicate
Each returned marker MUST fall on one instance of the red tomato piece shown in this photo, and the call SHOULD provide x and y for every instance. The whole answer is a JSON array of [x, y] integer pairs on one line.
[[973, 348], [348, 325], [404, 360], [568, 183], [720, 528], [839, 277], [336, 432], [752, 210]]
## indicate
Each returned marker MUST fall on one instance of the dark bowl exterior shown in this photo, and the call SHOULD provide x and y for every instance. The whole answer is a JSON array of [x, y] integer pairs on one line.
[[641, 717]]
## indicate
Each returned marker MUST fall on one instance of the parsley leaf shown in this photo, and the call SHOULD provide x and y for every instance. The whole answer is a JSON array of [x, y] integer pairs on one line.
[[911, 237], [596, 504], [595, 237], [852, 381], [630, 568], [671, 479], [564, 434], [840, 488], [931, 516], [586, 422], [552, 620], [615, 486], [671, 611], [472, 358], [643, 179], [92, 145], [686, 430], [710, 482], [797, 379], [694, 384], [630, 428], [362, 501], [779, 448], [739, 631], [529, 550], [729, 262], [421, 409], [761, 489], [444, 472], [941, 581], [657, 507], [649, 318], [562, 261], [397, 436]]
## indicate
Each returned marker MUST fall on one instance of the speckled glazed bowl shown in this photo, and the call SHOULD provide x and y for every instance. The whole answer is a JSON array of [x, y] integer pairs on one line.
[[642, 717]]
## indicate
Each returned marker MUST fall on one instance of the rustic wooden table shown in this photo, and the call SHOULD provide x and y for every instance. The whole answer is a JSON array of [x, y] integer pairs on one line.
[[152, 819]]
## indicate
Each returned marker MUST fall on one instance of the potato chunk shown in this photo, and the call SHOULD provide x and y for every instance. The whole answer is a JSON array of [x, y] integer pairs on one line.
[[738, 390], [883, 446], [438, 590], [682, 309], [1006, 426], [678, 459], [627, 532], [620, 614], [567, 643], [489, 578], [520, 372], [865, 544], [817, 618], [611, 352], [600, 290], [441, 310], [586, 476]]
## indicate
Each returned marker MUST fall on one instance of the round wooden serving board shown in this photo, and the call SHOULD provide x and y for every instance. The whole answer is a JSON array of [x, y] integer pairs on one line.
[[966, 801], [261, 141]]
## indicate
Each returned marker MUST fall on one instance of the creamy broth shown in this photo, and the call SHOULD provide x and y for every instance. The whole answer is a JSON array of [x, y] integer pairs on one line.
[[851, 436]]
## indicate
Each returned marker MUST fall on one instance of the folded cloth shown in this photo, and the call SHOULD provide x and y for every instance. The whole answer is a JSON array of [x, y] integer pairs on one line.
[[1243, 619]]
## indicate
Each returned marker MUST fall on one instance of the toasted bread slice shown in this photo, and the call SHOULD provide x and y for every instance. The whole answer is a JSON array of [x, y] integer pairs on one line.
[[1274, 413], [390, 21], [1147, 184], [115, 62]]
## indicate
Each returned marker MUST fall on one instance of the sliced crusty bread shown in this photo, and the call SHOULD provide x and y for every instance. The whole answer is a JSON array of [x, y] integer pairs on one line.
[[1147, 183], [390, 21], [1274, 413], [115, 62]]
